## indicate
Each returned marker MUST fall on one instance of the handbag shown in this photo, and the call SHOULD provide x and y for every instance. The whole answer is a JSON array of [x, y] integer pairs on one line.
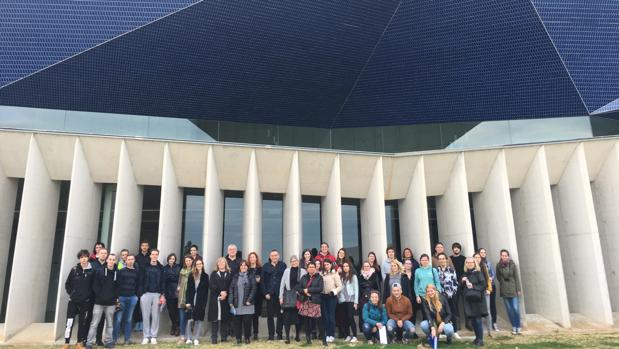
[[472, 295], [290, 299]]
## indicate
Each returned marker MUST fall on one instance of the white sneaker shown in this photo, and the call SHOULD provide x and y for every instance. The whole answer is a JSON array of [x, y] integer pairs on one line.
[[195, 342], [153, 341], [370, 342], [145, 341], [457, 336], [189, 341], [330, 339], [496, 327], [353, 340], [347, 339]]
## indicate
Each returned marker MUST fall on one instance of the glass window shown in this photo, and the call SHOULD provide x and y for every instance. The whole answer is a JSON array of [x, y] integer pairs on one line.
[[61, 219], [351, 229], [150, 214], [106, 218], [392, 221], [272, 225], [475, 245], [312, 229], [9, 263], [193, 219], [233, 219], [432, 220]]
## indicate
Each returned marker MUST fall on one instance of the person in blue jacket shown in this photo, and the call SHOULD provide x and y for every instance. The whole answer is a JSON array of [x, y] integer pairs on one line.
[[425, 275], [374, 317]]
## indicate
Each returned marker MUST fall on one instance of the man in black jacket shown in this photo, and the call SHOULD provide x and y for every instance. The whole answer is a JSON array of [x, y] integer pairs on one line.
[[105, 290], [127, 298], [141, 260], [97, 264], [79, 288], [272, 273], [151, 290]]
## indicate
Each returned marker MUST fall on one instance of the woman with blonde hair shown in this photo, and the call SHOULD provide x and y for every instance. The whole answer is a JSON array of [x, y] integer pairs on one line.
[[394, 276], [218, 306], [474, 286], [437, 315], [194, 300]]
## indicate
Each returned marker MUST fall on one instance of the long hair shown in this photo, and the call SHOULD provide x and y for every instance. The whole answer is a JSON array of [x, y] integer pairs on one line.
[[194, 270], [396, 262], [346, 277], [219, 260], [258, 264], [337, 256], [434, 302]]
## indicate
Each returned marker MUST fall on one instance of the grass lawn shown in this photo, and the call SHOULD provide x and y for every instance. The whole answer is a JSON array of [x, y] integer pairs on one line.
[[563, 340]]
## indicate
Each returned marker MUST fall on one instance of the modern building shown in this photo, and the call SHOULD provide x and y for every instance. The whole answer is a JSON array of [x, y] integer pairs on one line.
[[282, 124]]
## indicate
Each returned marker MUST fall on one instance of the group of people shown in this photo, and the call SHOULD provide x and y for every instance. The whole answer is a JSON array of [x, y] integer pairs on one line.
[[319, 292]]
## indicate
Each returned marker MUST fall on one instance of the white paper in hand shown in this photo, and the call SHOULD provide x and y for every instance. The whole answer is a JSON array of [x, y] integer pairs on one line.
[[382, 334]]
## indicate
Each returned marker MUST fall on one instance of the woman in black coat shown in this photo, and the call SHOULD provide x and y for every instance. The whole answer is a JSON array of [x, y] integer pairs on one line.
[[255, 271], [170, 273], [369, 280], [218, 307], [309, 290], [196, 300], [474, 285]]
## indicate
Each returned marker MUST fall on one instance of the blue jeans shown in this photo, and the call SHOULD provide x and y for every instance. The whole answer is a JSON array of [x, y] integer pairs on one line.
[[367, 331], [124, 315], [513, 312], [407, 328], [328, 304], [448, 329], [478, 328], [182, 320]]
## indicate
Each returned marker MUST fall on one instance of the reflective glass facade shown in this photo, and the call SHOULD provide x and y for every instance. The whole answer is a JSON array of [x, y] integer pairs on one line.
[[54, 277], [233, 220], [351, 229], [272, 225], [312, 228], [106, 217], [193, 218], [151, 204], [392, 221]]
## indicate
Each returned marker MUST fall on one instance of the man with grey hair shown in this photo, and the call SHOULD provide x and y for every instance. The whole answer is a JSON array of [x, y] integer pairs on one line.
[[399, 312], [233, 259]]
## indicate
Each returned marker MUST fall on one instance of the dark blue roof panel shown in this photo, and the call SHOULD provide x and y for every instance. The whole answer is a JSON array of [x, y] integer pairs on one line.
[[37, 33]]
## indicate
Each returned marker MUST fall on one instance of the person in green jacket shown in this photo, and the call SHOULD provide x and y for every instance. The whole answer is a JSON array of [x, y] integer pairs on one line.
[[374, 317], [425, 275], [507, 275]]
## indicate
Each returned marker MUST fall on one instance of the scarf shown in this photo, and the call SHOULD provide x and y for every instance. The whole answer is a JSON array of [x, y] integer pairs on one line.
[[368, 274]]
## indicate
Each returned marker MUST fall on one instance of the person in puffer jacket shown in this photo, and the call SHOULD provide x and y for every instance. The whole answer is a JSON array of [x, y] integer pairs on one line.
[[105, 289], [374, 317], [79, 288]]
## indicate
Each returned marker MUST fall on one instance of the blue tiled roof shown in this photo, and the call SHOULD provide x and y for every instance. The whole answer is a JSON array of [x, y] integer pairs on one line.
[[316, 63]]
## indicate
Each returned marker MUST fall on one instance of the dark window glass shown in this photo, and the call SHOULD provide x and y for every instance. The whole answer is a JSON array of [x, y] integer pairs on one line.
[[392, 221], [150, 214], [312, 229], [272, 225], [9, 263], [233, 220], [106, 218], [432, 220], [351, 229], [475, 245], [193, 219], [61, 220]]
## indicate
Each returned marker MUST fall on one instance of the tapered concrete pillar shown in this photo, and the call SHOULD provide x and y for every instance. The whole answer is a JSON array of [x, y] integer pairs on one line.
[[27, 297], [453, 213], [413, 214], [81, 229], [128, 210], [213, 214], [606, 199], [293, 219], [373, 225], [583, 263], [171, 209], [538, 245], [331, 210], [8, 195], [252, 214]]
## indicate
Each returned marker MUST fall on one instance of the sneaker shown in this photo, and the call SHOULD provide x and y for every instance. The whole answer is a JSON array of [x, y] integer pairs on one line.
[[353, 340], [195, 342], [153, 341], [189, 341], [519, 331], [370, 342], [457, 336], [145, 341], [495, 327], [345, 340]]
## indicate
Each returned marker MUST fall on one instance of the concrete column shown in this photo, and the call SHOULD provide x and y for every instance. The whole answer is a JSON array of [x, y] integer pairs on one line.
[[538, 245], [8, 195], [213, 214], [35, 236], [331, 210], [453, 213], [293, 219], [373, 225], [583, 263], [82, 225], [128, 210], [413, 214], [252, 214], [606, 199], [171, 209]]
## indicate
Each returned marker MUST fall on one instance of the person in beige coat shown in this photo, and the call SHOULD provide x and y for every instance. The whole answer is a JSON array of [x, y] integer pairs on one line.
[[332, 286]]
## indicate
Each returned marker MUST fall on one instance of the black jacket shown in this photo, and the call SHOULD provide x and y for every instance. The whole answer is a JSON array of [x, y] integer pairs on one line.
[[430, 314], [475, 309], [249, 290], [79, 284], [406, 287], [96, 265], [233, 264], [171, 275], [128, 282], [271, 278], [199, 306], [142, 261], [315, 288], [367, 285], [105, 286], [151, 279], [218, 283]]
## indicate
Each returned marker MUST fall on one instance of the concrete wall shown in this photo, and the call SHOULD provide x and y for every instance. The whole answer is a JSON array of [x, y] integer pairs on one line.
[[293, 219], [171, 210], [372, 208], [413, 214], [331, 210]]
